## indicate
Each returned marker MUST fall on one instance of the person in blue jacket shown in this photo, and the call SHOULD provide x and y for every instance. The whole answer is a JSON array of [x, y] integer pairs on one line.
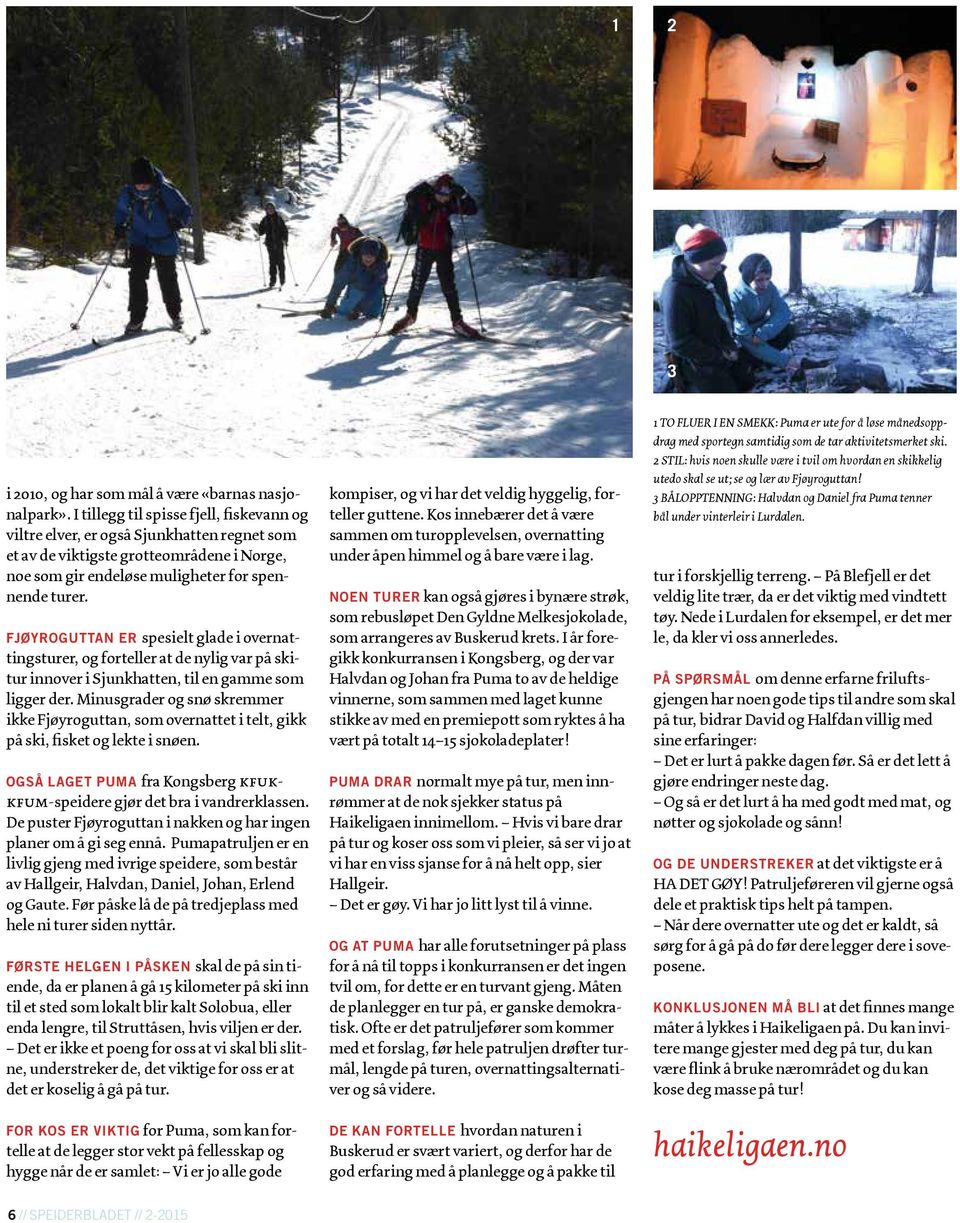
[[364, 277], [761, 318], [148, 214]]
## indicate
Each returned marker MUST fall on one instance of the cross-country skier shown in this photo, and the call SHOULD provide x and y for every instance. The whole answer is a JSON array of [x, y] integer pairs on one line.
[[344, 233], [274, 229], [364, 276], [431, 208], [148, 214]]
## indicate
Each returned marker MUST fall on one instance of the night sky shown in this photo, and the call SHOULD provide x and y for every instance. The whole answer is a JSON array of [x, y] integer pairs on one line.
[[850, 31]]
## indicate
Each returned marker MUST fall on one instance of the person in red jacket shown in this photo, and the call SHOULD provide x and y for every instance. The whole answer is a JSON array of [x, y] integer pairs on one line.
[[431, 208], [344, 233]]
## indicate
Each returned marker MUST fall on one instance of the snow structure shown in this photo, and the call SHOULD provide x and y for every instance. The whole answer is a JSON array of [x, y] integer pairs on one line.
[[306, 387], [894, 117]]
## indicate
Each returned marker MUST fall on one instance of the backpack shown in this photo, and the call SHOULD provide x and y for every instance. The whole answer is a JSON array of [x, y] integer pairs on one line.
[[409, 228], [410, 223]]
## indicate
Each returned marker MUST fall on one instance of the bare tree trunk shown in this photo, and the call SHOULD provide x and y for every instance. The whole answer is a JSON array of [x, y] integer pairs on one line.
[[947, 233], [339, 109], [379, 90], [796, 239], [928, 249], [190, 135]]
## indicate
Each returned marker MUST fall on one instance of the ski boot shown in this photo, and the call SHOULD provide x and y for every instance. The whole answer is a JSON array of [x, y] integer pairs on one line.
[[354, 315], [132, 328], [402, 324], [176, 322], [464, 329]]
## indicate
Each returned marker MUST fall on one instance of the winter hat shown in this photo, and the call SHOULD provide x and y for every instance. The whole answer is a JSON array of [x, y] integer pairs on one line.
[[702, 244], [753, 264], [444, 185], [269, 204], [141, 170], [342, 220]]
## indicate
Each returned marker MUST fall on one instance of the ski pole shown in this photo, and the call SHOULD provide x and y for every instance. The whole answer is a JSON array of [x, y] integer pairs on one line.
[[113, 250], [315, 275], [386, 304], [290, 264], [263, 274], [386, 307], [203, 330], [463, 227]]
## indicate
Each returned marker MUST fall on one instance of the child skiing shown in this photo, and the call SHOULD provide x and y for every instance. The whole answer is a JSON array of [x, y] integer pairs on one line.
[[274, 229], [364, 276], [148, 214], [344, 233], [430, 208]]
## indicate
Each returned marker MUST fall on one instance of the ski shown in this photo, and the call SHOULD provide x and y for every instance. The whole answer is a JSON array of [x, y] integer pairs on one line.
[[484, 336], [113, 339], [300, 313], [102, 342], [489, 339]]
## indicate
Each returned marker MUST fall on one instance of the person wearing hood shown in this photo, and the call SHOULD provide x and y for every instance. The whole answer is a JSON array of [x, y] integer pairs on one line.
[[761, 317], [148, 214], [364, 277], [274, 230], [698, 317], [429, 206]]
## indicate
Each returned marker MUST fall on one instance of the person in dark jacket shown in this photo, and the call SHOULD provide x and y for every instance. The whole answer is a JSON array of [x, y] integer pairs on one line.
[[344, 233], [432, 207], [274, 230], [698, 318], [364, 277], [148, 214]]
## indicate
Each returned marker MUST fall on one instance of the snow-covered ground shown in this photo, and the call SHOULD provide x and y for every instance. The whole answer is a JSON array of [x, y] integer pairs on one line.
[[910, 336], [260, 384]]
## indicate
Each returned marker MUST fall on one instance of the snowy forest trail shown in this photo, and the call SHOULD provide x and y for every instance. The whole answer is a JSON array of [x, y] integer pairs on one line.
[[259, 384]]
